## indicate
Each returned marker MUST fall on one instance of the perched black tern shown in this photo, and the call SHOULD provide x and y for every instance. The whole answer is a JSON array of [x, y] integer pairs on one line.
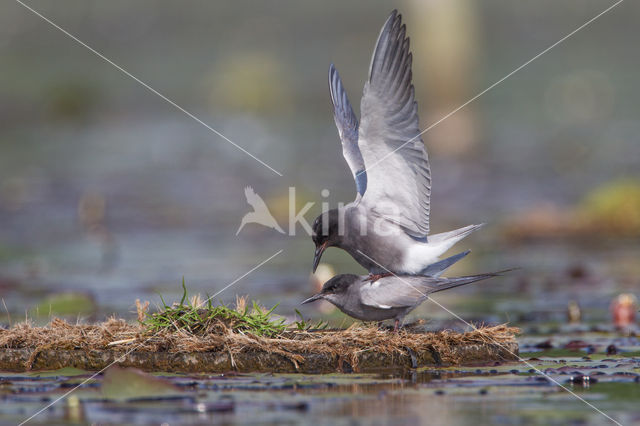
[[386, 226], [390, 297]]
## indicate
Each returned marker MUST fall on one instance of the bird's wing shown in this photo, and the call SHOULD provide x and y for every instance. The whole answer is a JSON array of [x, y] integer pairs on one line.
[[254, 200], [347, 125], [397, 166], [393, 292], [409, 290]]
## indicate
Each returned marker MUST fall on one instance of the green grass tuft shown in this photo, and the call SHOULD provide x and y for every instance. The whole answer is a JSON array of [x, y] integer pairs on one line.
[[303, 325], [203, 318]]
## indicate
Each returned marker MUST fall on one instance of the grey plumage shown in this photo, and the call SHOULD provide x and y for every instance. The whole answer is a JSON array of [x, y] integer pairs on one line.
[[389, 117], [389, 120], [391, 297], [387, 225], [347, 124]]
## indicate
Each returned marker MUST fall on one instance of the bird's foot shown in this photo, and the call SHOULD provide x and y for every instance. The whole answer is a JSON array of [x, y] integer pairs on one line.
[[375, 277], [396, 326]]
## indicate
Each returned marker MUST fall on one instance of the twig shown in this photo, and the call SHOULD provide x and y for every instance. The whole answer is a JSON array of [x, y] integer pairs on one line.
[[123, 341]]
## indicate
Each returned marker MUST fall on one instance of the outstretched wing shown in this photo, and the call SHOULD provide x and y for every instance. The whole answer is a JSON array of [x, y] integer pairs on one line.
[[255, 200], [347, 125], [397, 166]]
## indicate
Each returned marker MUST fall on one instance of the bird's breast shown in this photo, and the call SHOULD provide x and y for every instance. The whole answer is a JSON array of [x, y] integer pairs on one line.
[[375, 243]]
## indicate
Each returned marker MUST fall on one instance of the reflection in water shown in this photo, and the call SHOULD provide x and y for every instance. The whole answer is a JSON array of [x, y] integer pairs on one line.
[[483, 394]]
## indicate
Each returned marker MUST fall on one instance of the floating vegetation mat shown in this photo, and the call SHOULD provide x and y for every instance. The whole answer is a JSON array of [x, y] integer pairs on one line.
[[192, 336], [358, 348]]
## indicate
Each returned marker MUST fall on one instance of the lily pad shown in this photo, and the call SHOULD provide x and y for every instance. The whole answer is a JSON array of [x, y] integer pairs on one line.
[[130, 383]]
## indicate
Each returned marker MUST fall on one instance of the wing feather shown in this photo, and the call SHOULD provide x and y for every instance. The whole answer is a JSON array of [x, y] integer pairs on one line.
[[397, 165], [347, 124], [392, 292], [410, 290]]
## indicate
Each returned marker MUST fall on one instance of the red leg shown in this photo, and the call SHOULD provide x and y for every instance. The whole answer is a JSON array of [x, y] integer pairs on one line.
[[396, 326]]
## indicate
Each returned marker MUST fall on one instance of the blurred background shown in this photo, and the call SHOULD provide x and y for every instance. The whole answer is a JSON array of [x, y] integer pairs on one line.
[[109, 194]]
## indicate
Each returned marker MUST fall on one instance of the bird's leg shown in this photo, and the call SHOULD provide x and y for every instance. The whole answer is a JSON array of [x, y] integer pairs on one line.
[[396, 326], [375, 277]]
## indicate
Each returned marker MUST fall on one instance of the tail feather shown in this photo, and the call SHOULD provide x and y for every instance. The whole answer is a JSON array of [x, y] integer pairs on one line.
[[448, 283], [435, 269], [455, 235]]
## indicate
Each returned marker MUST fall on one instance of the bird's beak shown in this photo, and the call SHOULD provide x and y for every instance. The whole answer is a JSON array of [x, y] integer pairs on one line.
[[316, 258], [313, 298]]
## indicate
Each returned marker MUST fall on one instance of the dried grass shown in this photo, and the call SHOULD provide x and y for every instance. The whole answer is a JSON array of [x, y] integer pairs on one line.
[[293, 344]]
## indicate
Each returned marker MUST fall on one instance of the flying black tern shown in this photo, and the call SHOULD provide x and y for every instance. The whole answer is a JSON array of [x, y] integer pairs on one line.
[[390, 297], [386, 226]]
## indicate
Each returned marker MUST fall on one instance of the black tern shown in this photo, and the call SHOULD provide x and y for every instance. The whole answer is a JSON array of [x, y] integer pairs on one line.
[[390, 297], [387, 225]]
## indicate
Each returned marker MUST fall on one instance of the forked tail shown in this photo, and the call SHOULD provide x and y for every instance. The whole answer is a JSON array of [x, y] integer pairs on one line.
[[435, 269], [453, 236]]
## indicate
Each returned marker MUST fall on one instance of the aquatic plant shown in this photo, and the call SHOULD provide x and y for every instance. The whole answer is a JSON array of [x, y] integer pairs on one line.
[[202, 318], [303, 325]]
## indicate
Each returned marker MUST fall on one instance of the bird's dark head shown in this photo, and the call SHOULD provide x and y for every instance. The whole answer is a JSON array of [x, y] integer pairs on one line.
[[325, 233], [334, 288]]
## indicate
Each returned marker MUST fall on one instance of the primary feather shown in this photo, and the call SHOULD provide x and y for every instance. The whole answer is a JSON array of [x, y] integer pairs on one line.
[[387, 144]]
